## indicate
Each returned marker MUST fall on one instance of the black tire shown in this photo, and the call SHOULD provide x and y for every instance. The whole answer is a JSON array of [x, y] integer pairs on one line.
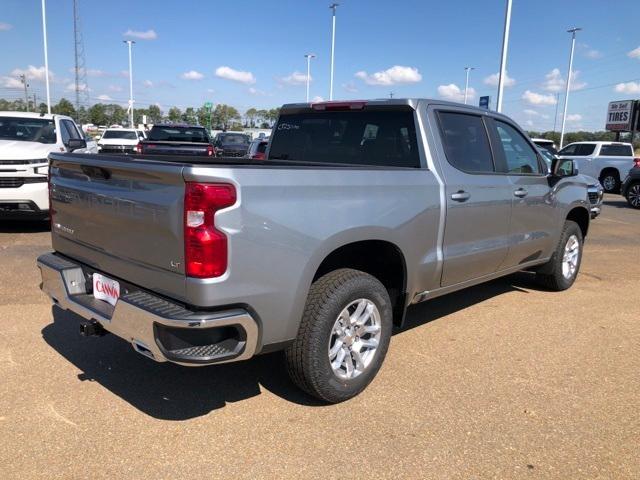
[[633, 195], [307, 357], [551, 274], [610, 181]]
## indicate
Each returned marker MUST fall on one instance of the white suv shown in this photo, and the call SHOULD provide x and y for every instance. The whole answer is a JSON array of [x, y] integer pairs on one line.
[[609, 162], [120, 140], [26, 139]]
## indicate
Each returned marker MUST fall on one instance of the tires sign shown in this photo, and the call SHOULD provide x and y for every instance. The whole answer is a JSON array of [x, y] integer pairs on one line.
[[620, 116]]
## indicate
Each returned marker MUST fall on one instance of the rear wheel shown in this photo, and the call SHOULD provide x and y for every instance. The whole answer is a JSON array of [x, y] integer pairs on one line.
[[610, 181], [343, 337], [562, 269], [633, 195]]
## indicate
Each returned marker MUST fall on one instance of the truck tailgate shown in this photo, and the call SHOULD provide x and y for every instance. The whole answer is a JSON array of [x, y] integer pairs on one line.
[[123, 217]]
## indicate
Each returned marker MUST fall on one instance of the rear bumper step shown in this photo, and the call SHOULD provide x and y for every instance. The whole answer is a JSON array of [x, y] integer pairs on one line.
[[155, 327]]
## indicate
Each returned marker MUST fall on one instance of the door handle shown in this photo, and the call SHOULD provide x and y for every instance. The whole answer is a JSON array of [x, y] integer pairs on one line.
[[521, 193], [460, 196]]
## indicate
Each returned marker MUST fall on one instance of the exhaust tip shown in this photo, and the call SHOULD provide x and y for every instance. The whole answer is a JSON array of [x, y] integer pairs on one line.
[[141, 348]]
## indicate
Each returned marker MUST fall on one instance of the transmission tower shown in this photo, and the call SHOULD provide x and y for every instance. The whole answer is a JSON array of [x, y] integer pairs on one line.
[[82, 89]]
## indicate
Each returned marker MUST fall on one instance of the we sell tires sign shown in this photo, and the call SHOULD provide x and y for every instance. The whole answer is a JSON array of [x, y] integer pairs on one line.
[[620, 116]]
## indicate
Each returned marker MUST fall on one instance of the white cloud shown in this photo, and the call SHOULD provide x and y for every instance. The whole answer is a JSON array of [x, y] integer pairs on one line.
[[10, 82], [32, 73], [395, 75], [574, 117], [256, 91], [350, 87], [210, 90], [105, 98], [83, 87], [5, 26], [115, 88], [141, 35], [534, 98], [631, 88], [229, 73], [317, 98], [593, 54], [296, 78], [148, 84], [492, 80], [554, 81], [454, 93], [635, 53], [192, 75], [535, 113]]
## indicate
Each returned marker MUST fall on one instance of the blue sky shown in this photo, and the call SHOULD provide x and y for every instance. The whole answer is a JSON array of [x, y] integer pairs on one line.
[[408, 47]]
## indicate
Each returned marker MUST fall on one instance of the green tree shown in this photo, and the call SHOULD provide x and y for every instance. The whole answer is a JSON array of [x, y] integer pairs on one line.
[[224, 116], [97, 114], [155, 114], [175, 115], [251, 115], [189, 116], [64, 107]]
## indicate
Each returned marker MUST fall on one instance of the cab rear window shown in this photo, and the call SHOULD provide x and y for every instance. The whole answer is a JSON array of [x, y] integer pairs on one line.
[[616, 151], [377, 138]]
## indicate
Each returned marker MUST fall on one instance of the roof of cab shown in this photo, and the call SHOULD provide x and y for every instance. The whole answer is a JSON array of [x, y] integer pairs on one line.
[[46, 116]]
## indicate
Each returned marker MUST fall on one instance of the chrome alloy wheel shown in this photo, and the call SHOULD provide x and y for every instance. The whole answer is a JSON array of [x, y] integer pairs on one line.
[[570, 257], [355, 337], [633, 195], [609, 183]]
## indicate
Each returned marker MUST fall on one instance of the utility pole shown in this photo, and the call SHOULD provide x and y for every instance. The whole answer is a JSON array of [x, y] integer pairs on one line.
[[333, 7], [466, 83], [572, 31], [82, 89], [46, 55], [390, 94], [23, 79], [130, 43], [555, 117], [503, 58], [309, 56]]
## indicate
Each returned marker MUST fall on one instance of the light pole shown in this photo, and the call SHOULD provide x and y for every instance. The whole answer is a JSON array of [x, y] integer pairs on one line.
[[46, 55], [130, 43], [309, 56], [503, 58], [333, 7], [466, 83], [572, 31]]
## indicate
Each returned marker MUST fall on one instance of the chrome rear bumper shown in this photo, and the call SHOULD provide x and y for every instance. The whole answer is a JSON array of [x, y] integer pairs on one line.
[[157, 328]]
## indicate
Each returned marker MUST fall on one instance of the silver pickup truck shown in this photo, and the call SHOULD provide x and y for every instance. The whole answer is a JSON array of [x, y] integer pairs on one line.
[[359, 210]]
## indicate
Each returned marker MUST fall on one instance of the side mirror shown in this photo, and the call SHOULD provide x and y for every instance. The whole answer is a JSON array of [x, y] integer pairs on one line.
[[76, 144], [563, 167]]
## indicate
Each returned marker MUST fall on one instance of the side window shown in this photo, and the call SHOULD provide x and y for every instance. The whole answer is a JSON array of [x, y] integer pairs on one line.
[[616, 151], [71, 129], [569, 150], [585, 149], [520, 156], [466, 142], [64, 133]]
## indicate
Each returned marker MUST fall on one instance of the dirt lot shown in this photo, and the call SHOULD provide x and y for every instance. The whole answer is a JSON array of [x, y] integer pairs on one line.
[[500, 381]]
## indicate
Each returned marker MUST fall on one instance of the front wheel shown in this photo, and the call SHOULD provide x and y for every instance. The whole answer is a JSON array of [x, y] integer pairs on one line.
[[633, 195], [562, 269], [343, 336]]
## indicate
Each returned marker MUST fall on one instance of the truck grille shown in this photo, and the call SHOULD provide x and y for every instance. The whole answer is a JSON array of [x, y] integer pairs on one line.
[[118, 148], [11, 182], [593, 197]]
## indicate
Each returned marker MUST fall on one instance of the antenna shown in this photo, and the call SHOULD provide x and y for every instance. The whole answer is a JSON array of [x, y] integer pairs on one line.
[[82, 90]]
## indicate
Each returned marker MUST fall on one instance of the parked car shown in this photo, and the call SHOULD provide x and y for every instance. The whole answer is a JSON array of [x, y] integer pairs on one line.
[[361, 209], [229, 144], [173, 139], [257, 148], [595, 191], [631, 186], [609, 162], [26, 140], [546, 143], [120, 140]]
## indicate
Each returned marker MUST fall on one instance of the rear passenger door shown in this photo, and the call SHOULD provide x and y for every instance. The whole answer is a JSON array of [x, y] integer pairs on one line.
[[534, 218], [478, 199]]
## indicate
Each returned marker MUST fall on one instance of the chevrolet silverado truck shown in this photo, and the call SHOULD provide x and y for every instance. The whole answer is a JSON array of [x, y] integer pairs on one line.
[[359, 210], [26, 139], [172, 139]]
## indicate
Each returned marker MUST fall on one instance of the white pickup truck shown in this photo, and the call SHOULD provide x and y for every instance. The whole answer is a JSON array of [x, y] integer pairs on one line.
[[26, 140], [609, 162]]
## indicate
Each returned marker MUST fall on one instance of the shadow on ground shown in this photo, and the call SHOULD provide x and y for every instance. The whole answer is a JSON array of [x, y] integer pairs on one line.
[[171, 392], [24, 226]]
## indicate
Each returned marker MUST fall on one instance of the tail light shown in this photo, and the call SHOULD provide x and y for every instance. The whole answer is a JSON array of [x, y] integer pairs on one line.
[[139, 147], [636, 162], [51, 209], [210, 150], [205, 247], [350, 105], [259, 156]]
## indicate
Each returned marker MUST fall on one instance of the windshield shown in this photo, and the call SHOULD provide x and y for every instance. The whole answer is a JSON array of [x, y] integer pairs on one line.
[[27, 129], [178, 134], [381, 138], [233, 139], [123, 134]]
